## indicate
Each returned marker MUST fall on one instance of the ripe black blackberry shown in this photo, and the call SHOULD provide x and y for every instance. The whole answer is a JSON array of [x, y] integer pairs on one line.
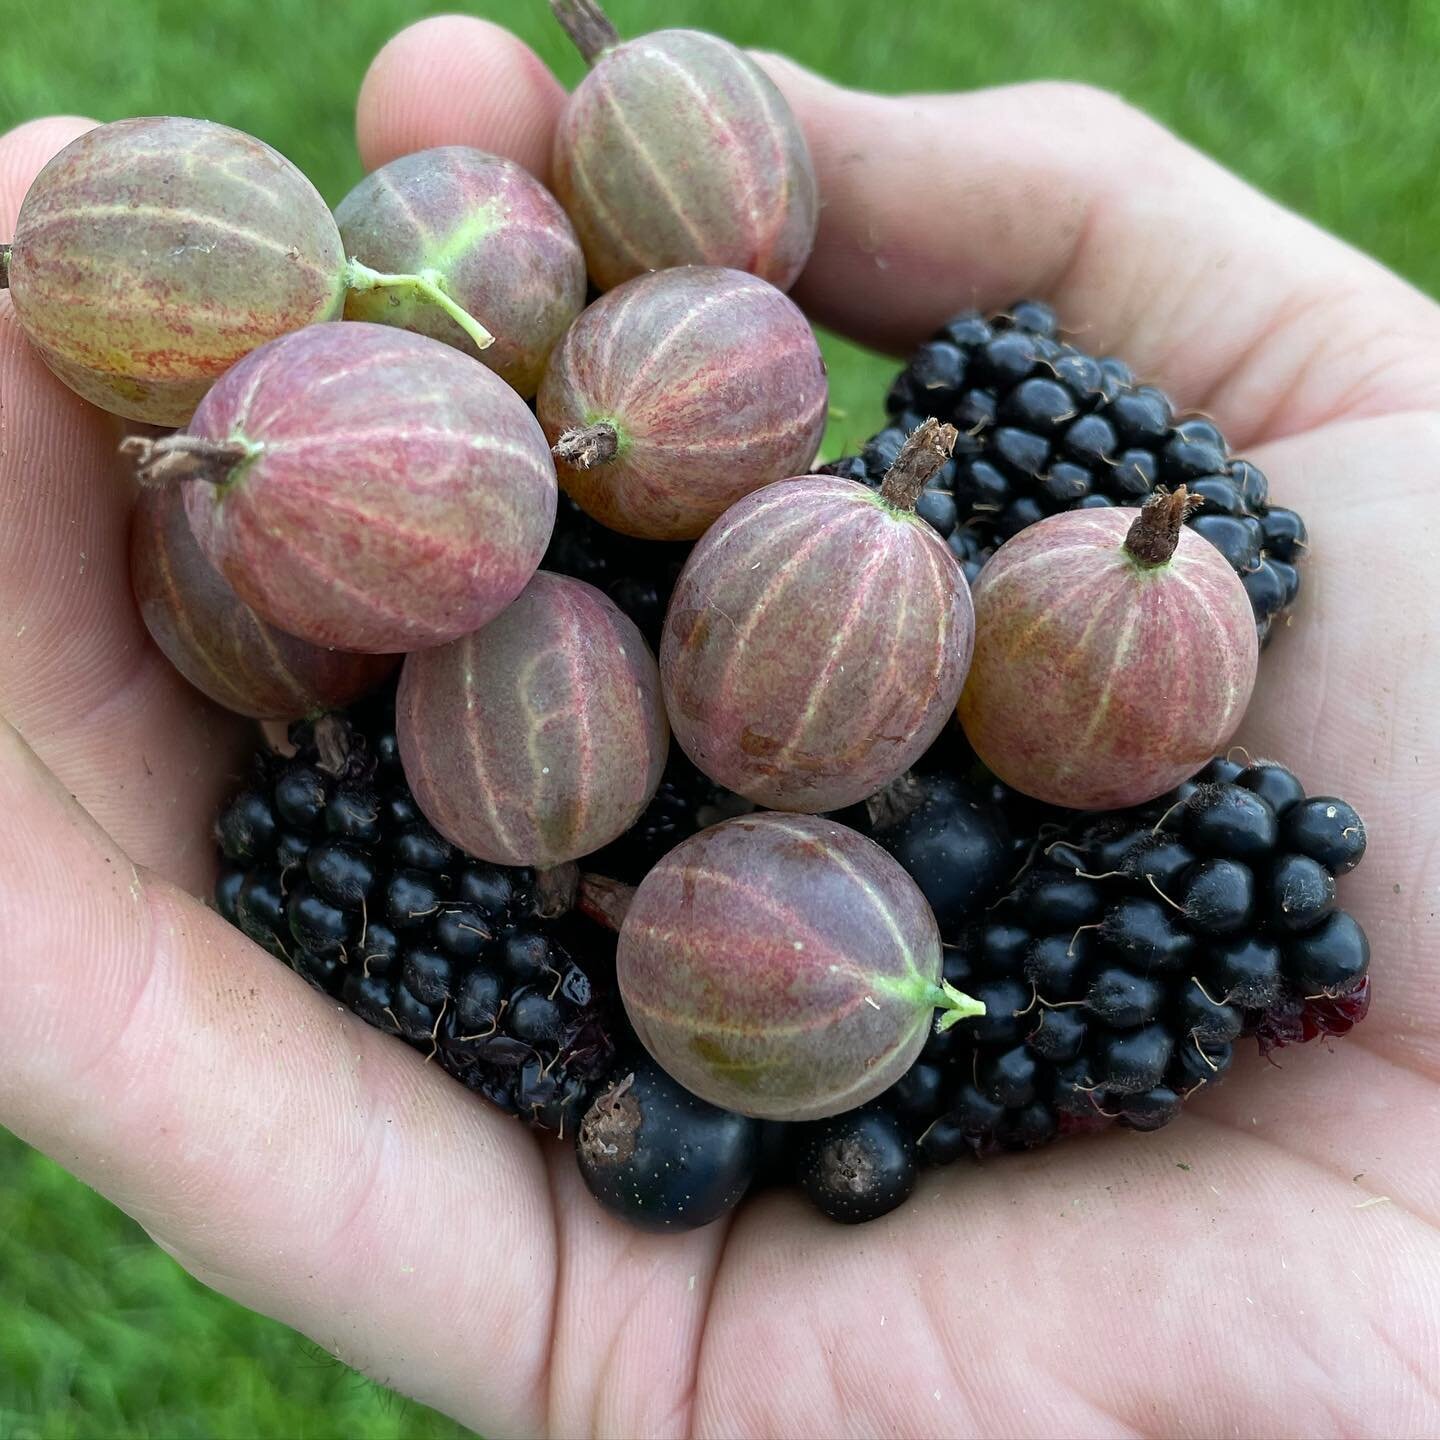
[[1045, 427], [1133, 956], [638, 575], [330, 866]]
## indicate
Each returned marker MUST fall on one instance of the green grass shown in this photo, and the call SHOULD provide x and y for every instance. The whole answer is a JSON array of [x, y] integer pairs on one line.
[[1331, 106]]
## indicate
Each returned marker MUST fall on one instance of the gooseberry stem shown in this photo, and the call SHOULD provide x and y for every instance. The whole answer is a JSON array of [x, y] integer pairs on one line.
[[956, 1005], [587, 25], [428, 283], [927, 449], [1155, 531], [587, 446], [604, 900], [913, 989], [186, 457], [5, 267]]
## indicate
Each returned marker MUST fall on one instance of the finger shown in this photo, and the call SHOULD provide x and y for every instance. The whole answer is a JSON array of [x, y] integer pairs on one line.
[[630, 1317], [78, 674], [305, 1165], [932, 204], [452, 80], [1348, 693]]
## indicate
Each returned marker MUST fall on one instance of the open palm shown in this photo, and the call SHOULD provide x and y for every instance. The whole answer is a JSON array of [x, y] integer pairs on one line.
[[1237, 1273]]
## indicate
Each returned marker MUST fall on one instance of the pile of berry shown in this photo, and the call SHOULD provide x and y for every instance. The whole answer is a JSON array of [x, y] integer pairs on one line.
[[740, 822]]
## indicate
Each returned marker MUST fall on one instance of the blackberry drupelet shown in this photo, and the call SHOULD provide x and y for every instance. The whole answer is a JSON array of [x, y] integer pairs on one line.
[[1134, 954], [329, 865], [638, 575], [1045, 427]]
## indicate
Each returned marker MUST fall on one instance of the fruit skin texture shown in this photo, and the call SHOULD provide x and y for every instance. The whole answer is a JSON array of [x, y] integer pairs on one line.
[[714, 384], [781, 966], [217, 642], [541, 737], [498, 239], [661, 1159], [677, 149], [401, 506], [1097, 683], [815, 644], [150, 255]]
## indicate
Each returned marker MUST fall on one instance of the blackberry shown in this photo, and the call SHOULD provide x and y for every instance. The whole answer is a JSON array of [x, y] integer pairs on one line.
[[1132, 955], [329, 865], [1045, 427]]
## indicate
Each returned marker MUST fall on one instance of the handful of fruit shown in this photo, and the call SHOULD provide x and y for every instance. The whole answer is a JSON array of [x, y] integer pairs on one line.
[[941, 860]]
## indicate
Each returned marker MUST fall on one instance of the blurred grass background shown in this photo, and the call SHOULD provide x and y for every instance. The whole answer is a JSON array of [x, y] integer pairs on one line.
[[1331, 105]]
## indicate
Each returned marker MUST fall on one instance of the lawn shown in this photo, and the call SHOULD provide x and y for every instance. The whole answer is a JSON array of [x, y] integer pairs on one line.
[[1332, 106]]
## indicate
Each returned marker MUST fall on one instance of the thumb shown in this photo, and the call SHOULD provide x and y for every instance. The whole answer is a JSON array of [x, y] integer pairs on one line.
[[306, 1165]]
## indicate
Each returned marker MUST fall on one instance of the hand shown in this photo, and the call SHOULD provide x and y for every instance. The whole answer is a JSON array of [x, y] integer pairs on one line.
[[1224, 1276]]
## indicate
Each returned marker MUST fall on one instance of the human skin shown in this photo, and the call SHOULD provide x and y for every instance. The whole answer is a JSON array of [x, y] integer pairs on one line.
[[320, 1172]]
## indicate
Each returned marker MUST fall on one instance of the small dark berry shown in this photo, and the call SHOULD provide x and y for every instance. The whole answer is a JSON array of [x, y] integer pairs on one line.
[[527, 956], [1331, 959], [1272, 783], [1327, 830], [300, 797], [1060, 1034], [418, 847], [411, 899], [463, 931], [1218, 897], [1301, 893], [353, 813], [1136, 1060], [1285, 536], [247, 828], [1231, 821], [1124, 1000], [340, 873], [1246, 972]]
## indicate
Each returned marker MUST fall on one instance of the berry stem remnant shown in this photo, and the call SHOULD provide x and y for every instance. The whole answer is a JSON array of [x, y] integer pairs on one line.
[[1156, 532], [604, 900], [360, 279], [587, 446], [587, 25], [186, 457], [927, 449]]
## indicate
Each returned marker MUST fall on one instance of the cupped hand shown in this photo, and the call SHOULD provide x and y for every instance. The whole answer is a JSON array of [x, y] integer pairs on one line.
[[1268, 1265]]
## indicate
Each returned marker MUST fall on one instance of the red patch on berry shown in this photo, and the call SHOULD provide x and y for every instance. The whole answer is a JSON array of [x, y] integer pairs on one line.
[[1084, 1124], [1298, 1021]]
